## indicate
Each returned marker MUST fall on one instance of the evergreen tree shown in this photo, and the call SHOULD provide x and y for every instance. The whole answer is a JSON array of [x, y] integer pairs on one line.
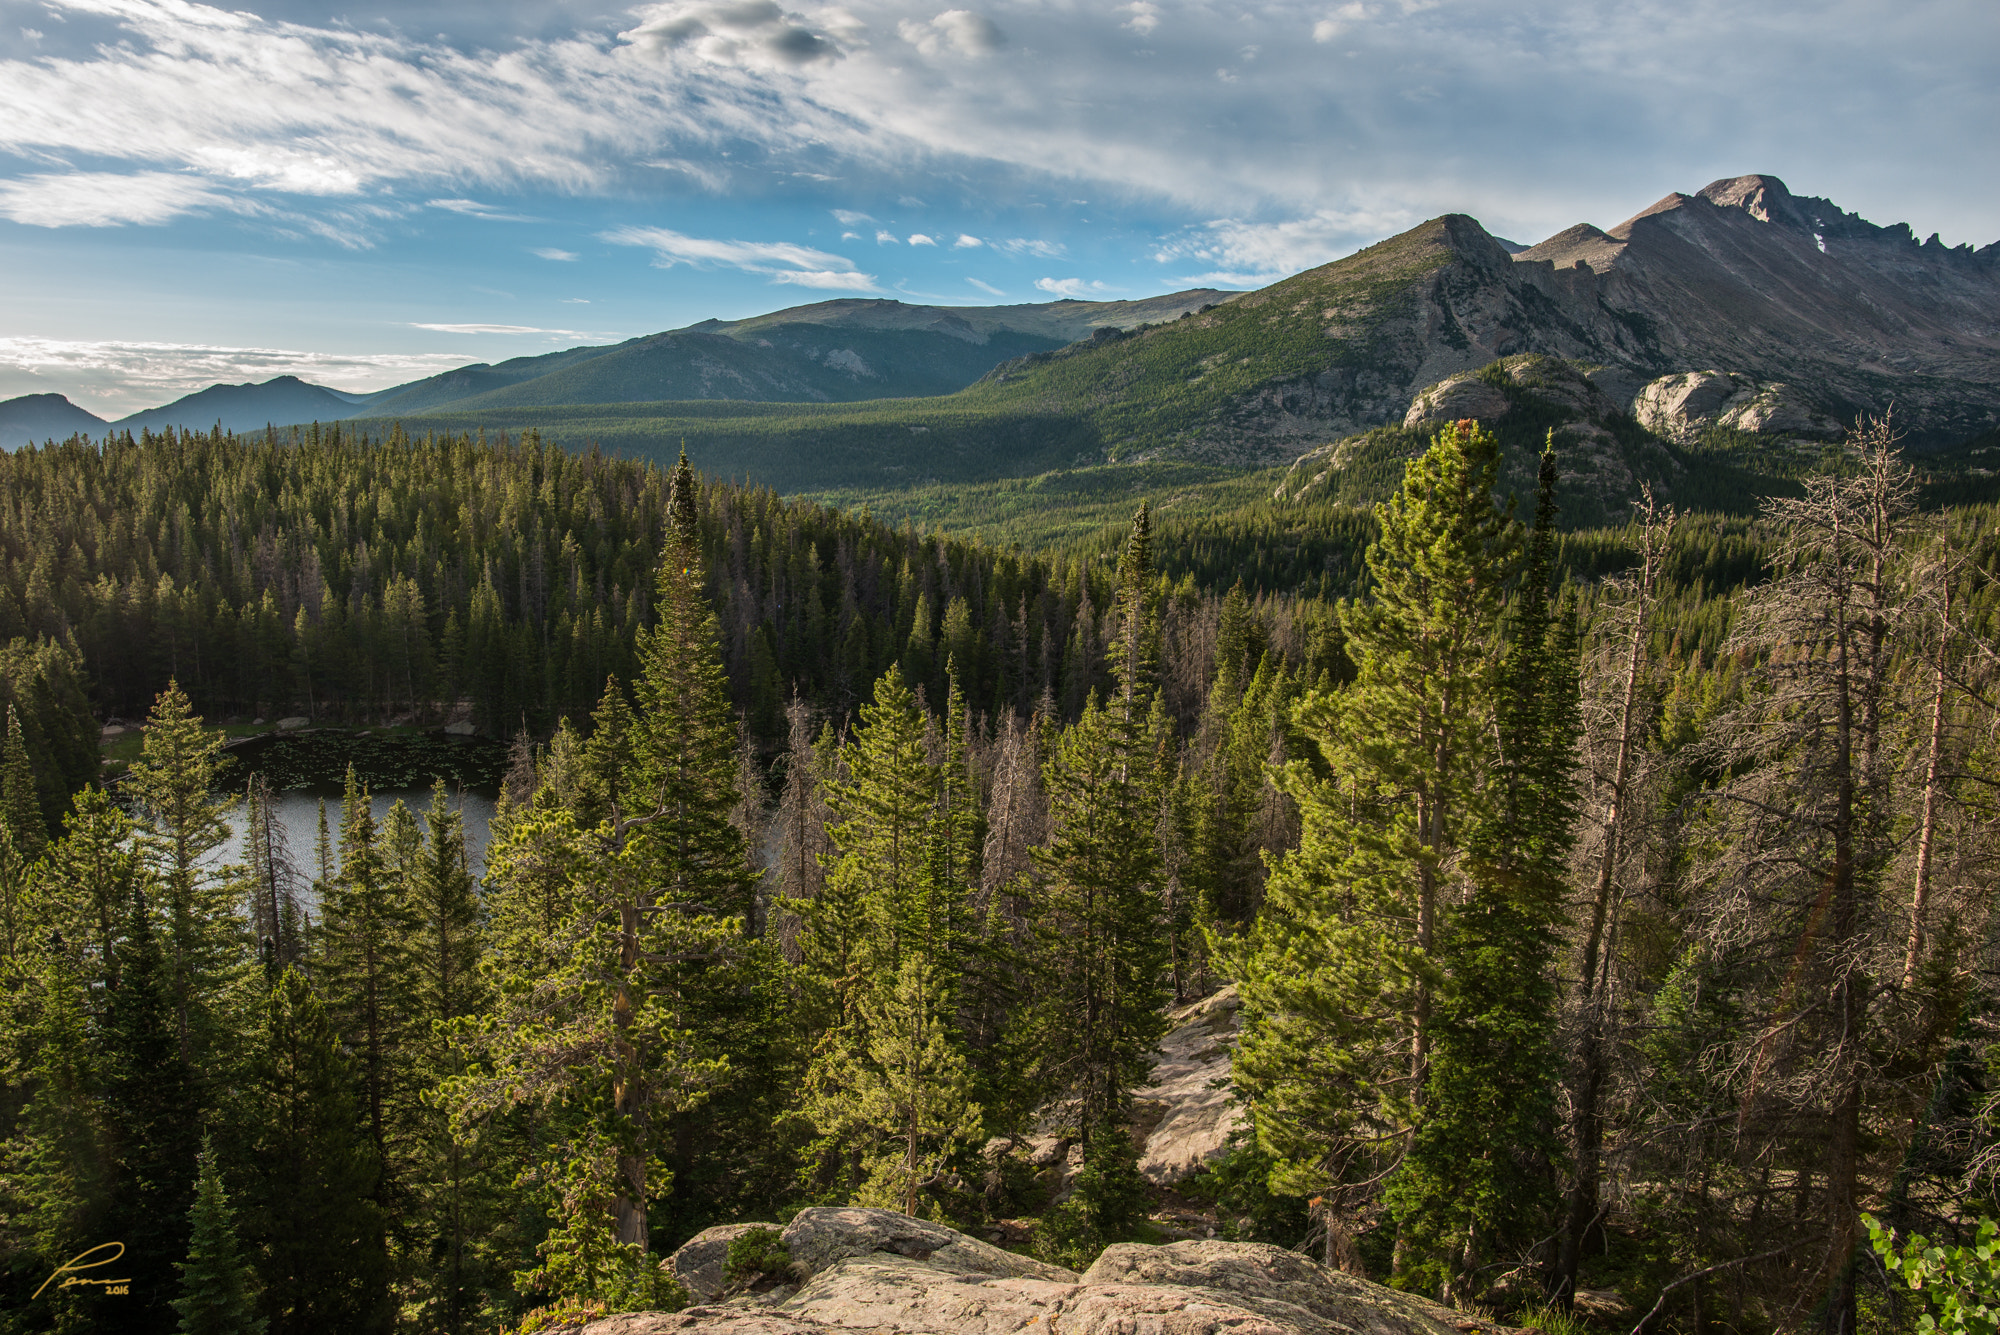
[[153, 1110], [181, 827], [364, 972], [1099, 918], [218, 1285], [1338, 975], [20, 803], [890, 1084], [452, 1175], [684, 744], [309, 1192], [57, 1165], [1478, 1178]]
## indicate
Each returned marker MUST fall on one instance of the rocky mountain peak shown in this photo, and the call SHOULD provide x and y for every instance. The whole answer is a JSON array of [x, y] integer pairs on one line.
[[1764, 198]]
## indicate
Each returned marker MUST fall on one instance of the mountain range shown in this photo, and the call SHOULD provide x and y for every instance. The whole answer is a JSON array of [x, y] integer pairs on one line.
[[829, 352], [1741, 306]]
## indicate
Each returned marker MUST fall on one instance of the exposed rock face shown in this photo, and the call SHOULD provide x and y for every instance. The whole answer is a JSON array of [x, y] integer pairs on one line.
[[1556, 382], [1699, 398], [1454, 398], [1273, 1282], [822, 1236], [866, 1277], [1791, 289], [1185, 1119], [698, 1264], [1742, 275]]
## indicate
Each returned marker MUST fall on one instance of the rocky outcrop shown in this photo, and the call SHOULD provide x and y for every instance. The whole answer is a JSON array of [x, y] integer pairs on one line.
[[824, 1236], [1184, 1118], [1555, 382], [869, 1270], [698, 1264], [1694, 399], [1455, 398]]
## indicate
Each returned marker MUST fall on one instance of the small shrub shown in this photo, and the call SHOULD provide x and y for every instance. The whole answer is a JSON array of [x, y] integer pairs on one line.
[[1550, 1320], [1239, 1183], [1106, 1205], [757, 1257]]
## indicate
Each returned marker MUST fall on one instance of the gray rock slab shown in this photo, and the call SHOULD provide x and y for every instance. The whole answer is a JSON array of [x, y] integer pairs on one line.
[[1190, 1119], [823, 1235], [698, 1262]]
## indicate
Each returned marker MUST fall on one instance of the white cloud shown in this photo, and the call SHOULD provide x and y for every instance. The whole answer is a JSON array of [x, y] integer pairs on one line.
[[1145, 16], [966, 242], [919, 239], [849, 218], [736, 32], [887, 238], [833, 280], [105, 199], [987, 288], [1041, 250], [956, 30], [472, 208], [551, 253], [782, 260], [114, 378], [1251, 254], [1340, 21], [1074, 289]]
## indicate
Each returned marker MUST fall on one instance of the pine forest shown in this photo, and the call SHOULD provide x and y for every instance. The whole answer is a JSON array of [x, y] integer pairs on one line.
[[1607, 912]]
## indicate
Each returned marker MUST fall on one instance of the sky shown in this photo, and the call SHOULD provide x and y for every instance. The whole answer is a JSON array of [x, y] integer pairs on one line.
[[366, 195]]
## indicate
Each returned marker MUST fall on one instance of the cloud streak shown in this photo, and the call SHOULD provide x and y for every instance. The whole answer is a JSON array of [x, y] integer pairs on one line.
[[782, 261]]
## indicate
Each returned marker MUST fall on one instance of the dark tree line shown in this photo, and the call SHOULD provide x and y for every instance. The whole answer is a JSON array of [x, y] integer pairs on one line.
[[1607, 911]]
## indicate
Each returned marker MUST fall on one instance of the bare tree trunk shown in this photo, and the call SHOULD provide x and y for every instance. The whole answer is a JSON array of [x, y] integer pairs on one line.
[[1586, 1118], [1920, 893]]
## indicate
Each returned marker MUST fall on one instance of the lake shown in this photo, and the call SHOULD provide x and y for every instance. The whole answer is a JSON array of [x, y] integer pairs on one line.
[[309, 767]]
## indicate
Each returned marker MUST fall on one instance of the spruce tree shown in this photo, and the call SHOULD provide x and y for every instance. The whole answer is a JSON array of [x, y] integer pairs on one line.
[[181, 827], [617, 944], [218, 1285], [1339, 973], [683, 775], [153, 1110], [1478, 1180], [58, 1165], [20, 803], [364, 973], [1100, 914], [891, 1082], [309, 1194], [453, 1179]]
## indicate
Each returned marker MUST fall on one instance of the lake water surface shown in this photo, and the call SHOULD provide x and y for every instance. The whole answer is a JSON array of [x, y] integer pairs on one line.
[[308, 768]]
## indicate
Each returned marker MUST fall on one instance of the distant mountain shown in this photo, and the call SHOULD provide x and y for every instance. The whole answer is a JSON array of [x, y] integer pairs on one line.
[[830, 352], [34, 418], [281, 401], [1786, 311]]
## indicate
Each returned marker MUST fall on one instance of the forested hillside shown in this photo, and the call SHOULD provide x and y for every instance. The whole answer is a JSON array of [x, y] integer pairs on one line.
[[1610, 907]]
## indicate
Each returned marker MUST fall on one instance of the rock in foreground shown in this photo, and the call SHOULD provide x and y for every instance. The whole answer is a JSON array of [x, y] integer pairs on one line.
[[876, 1271]]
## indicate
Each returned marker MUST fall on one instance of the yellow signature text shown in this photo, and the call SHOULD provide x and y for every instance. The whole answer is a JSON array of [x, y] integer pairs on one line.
[[66, 1277]]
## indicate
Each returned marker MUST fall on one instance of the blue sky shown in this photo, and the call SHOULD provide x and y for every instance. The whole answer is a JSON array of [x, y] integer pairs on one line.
[[192, 193]]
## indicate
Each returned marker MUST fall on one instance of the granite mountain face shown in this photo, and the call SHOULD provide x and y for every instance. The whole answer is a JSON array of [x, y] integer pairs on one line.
[[1787, 299]]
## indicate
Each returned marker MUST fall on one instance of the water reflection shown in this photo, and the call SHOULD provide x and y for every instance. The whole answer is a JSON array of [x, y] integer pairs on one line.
[[297, 815]]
